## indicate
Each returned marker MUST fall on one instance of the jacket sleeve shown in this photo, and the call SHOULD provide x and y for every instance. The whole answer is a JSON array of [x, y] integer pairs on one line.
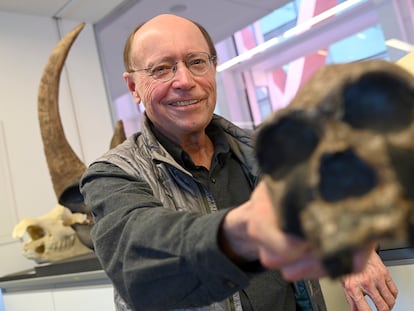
[[157, 259]]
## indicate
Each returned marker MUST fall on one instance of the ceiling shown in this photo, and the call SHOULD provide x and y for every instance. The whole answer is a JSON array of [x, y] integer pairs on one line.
[[217, 13], [89, 11], [114, 19]]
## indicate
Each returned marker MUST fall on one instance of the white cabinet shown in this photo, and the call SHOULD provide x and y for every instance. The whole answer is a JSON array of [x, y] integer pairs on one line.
[[83, 291], [41, 300], [90, 298], [84, 299]]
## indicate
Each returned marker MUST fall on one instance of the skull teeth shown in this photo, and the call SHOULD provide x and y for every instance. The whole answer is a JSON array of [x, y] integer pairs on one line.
[[61, 245]]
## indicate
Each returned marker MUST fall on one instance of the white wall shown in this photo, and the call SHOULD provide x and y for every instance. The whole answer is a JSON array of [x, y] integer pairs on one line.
[[25, 45]]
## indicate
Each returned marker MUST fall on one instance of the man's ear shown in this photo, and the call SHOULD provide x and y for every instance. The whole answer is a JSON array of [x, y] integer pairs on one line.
[[130, 82]]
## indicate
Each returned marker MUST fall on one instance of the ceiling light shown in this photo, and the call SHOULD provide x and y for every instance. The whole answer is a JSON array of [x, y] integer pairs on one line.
[[400, 45], [296, 30]]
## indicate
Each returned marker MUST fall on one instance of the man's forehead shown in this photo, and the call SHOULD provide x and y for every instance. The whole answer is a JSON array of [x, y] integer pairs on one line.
[[167, 18], [167, 23], [166, 32]]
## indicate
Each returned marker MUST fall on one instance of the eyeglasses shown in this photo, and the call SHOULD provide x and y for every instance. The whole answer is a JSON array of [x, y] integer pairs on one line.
[[198, 64]]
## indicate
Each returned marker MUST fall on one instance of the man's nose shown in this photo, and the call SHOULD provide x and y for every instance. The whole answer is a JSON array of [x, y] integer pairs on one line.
[[183, 76]]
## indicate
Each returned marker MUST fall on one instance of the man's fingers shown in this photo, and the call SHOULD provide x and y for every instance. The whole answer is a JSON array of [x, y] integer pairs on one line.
[[357, 302], [388, 291], [277, 259], [392, 286], [309, 268]]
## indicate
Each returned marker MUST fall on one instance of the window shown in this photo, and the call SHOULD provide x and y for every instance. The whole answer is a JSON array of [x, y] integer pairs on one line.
[[274, 56]]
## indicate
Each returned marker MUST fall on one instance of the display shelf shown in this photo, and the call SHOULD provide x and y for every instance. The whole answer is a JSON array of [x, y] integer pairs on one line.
[[74, 272]]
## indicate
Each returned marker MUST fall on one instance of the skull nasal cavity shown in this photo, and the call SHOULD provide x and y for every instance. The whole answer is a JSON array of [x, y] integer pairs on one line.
[[344, 175], [284, 144], [378, 101]]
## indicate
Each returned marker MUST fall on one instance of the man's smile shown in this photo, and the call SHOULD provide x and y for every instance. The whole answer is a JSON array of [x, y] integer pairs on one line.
[[184, 103]]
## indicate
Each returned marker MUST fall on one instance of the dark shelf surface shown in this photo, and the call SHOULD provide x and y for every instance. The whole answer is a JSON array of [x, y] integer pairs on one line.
[[83, 263]]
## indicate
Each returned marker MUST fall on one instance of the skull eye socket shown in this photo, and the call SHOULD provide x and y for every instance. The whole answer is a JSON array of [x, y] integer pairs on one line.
[[284, 144], [379, 102], [36, 232], [344, 175]]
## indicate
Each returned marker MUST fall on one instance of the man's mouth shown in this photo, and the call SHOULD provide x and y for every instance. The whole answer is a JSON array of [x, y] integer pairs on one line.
[[184, 103]]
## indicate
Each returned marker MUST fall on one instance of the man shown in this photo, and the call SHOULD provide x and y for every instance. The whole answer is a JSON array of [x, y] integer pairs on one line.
[[178, 224]]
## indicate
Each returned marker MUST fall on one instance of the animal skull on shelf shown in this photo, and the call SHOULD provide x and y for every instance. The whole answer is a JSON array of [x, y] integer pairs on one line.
[[65, 167], [50, 238], [339, 159]]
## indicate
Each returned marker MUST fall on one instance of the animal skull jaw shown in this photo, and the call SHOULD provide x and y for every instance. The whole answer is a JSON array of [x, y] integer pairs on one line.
[[51, 238]]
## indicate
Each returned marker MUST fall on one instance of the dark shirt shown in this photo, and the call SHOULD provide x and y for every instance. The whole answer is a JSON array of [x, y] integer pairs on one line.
[[226, 179]]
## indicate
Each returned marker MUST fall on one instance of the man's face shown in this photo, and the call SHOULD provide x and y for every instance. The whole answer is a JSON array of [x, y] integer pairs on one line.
[[185, 104]]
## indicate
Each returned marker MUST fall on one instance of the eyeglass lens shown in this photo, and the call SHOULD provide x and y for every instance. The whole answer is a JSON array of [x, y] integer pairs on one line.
[[197, 63]]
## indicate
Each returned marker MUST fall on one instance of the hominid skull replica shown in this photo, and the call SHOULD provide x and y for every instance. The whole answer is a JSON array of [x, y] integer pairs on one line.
[[339, 159], [51, 238]]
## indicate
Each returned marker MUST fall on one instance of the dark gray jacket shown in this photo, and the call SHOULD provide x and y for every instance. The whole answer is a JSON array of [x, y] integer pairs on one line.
[[155, 234]]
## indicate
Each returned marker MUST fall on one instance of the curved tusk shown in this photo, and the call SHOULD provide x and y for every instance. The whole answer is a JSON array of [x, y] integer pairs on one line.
[[64, 165]]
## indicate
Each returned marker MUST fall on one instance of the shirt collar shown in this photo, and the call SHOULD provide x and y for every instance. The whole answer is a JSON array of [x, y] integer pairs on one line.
[[216, 134]]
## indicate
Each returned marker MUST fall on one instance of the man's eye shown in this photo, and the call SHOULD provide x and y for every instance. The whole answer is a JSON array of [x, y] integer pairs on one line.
[[197, 61], [161, 69]]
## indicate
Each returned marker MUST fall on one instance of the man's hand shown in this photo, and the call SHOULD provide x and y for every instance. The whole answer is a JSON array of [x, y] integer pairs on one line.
[[252, 232], [375, 282]]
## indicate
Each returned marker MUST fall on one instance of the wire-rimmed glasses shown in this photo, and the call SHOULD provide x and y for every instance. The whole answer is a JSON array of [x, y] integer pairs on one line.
[[197, 63]]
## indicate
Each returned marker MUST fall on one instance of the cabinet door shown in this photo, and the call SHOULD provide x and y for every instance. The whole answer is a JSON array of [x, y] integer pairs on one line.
[[41, 300], [95, 298]]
